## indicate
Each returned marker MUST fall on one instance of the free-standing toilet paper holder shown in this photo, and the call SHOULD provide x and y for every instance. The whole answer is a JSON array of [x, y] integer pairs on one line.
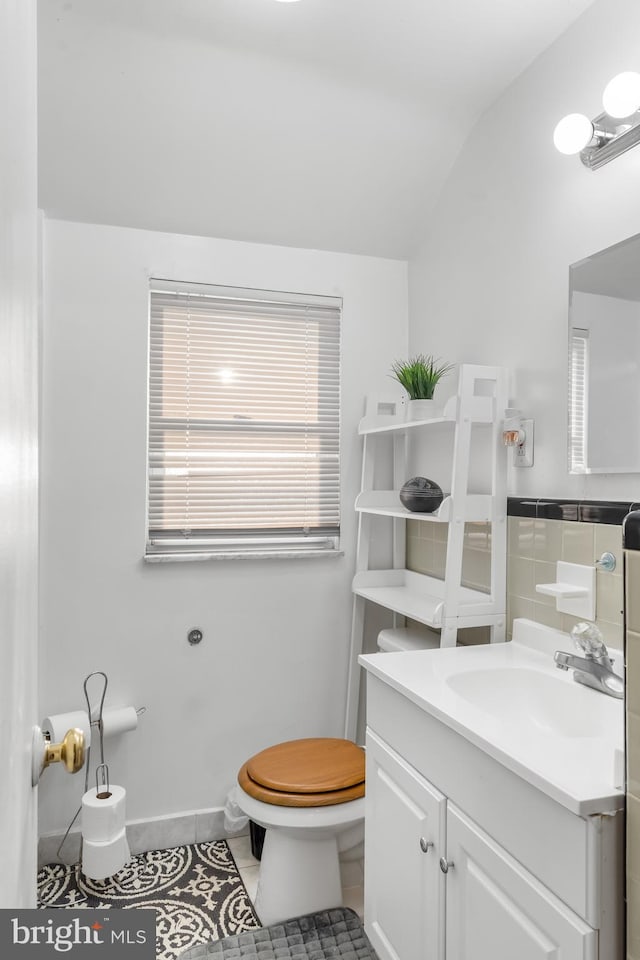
[[102, 855], [101, 766], [74, 749]]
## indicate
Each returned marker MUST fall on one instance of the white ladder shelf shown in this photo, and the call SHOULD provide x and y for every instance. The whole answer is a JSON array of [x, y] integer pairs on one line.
[[444, 605]]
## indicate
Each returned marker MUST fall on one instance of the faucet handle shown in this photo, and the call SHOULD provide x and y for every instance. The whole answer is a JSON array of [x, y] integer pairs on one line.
[[607, 562], [588, 638]]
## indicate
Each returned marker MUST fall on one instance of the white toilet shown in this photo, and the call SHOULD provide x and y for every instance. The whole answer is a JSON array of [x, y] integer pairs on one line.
[[309, 795]]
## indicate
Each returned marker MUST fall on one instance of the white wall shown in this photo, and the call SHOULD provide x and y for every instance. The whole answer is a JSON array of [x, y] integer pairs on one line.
[[18, 449], [272, 664], [490, 283]]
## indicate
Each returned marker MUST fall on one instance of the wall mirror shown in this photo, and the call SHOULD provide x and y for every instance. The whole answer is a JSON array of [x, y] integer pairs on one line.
[[604, 361]]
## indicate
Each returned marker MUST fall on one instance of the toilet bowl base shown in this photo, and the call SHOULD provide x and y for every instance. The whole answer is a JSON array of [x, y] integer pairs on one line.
[[297, 875]]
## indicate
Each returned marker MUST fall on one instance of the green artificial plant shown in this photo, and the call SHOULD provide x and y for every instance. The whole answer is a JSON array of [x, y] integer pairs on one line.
[[420, 375]]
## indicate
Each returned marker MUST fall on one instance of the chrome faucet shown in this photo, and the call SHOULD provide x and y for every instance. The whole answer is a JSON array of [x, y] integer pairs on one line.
[[594, 669]]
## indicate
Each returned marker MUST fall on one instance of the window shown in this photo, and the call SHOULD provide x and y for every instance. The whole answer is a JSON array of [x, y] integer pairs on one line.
[[244, 415], [578, 393]]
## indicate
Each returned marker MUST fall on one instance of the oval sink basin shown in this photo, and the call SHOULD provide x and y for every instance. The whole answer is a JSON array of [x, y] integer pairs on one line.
[[552, 706]]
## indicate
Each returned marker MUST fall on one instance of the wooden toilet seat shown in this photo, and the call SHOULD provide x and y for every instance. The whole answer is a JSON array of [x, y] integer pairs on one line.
[[314, 772]]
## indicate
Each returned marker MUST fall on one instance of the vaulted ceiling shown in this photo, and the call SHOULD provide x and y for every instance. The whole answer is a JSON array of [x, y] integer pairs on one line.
[[328, 124]]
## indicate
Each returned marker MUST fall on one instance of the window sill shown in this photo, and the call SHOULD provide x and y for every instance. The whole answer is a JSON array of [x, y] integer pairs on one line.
[[242, 555]]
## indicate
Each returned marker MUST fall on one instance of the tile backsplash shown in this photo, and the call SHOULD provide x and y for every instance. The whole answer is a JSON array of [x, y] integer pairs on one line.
[[533, 547], [427, 553]]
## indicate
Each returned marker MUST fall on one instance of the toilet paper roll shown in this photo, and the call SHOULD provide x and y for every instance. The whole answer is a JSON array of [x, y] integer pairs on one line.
[[116, 720], [58, 723], [103, 817], [102, 860]]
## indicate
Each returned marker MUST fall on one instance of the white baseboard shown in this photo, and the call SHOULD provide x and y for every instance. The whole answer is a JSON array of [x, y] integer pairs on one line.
[[158, 833]]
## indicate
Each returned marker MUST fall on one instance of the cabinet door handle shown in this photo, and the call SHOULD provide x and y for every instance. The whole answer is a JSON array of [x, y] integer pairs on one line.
[[425, 844], [445, 865]]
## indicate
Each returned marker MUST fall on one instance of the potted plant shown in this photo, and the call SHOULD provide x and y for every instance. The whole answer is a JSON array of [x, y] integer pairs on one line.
[[419, 377]]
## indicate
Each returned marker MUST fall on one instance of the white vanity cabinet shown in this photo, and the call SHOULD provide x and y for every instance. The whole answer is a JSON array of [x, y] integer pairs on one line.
[[498, 910], [404, 836], [466, 860]]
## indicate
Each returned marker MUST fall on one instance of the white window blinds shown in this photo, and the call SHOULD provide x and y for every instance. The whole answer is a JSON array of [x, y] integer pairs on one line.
[[244, 416], [578, 396]]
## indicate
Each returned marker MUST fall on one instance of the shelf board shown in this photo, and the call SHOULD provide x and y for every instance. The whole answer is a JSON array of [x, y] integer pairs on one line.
[[416, 596], [481, 410], [386, 503], [377, 425]]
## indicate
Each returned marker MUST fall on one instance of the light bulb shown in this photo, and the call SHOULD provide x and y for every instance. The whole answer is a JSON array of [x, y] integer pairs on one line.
[[621, 95], [573, 133]]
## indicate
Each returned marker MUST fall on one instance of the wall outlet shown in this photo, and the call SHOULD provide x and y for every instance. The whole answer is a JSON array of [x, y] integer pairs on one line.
[[523, 452]]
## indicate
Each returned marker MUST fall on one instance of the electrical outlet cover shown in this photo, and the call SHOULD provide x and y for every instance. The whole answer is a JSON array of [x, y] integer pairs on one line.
[[523, 453]]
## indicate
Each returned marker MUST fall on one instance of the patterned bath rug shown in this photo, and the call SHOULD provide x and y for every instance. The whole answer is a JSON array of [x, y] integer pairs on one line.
[[196, 891]]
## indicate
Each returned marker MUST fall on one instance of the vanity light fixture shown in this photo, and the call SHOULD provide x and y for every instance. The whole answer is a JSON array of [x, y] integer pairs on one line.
[[621, 97], [610, 133]]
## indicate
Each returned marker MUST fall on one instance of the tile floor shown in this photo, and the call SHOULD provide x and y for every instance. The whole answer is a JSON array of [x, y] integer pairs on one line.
[[352, 874]]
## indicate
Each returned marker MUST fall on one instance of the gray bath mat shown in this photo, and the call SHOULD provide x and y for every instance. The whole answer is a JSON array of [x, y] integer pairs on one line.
[[329, 935]]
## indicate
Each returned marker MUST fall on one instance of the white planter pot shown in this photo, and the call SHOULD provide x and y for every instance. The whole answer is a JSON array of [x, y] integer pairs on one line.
[[422, 409]]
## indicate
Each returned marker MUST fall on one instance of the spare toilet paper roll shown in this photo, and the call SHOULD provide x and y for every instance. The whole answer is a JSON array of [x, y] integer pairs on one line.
[[116, 720], [102, 860], [58, 723], [103, 817]]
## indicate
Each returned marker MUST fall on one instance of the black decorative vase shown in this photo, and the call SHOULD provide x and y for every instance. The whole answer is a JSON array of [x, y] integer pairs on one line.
[[421, 495]]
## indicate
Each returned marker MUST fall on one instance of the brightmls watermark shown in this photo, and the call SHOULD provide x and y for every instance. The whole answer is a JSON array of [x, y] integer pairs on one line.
[[28, 934]]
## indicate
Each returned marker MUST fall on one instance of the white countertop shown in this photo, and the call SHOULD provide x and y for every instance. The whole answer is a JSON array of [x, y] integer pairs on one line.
[[511, 701]]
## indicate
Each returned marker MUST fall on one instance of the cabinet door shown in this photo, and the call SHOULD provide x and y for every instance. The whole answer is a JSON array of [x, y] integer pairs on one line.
[[497, 910], [404, 887]]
